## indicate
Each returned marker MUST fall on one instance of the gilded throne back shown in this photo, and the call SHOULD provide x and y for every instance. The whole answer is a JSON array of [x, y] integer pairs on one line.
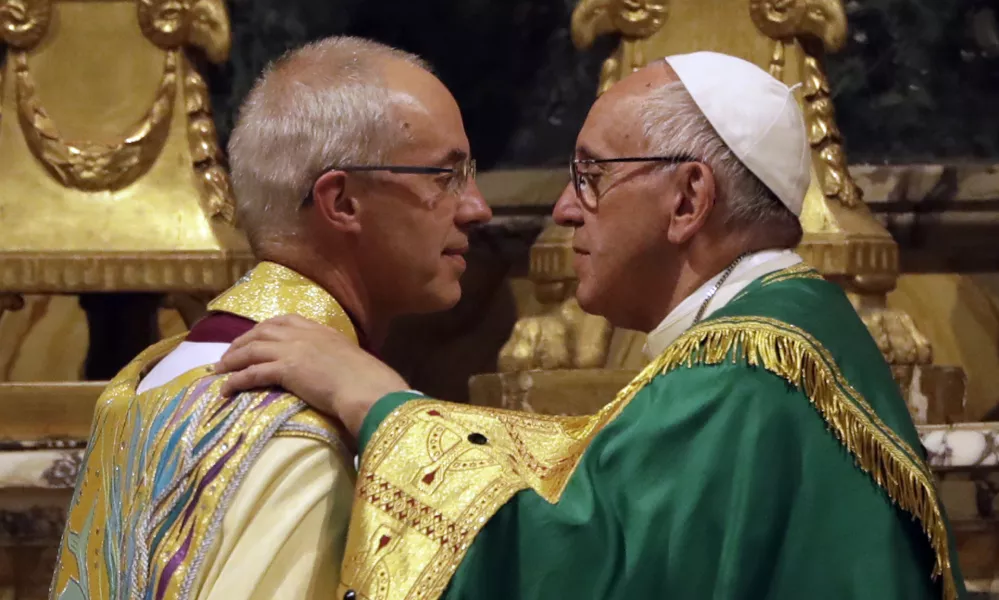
[[106, 140]]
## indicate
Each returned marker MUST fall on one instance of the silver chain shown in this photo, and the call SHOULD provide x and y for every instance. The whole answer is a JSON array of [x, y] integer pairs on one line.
[[717, 286]]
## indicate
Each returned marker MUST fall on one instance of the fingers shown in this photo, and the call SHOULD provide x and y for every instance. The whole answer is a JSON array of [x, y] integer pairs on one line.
[[254, 352], [289, 320], [272, 330], [284, 328], [253, 377]]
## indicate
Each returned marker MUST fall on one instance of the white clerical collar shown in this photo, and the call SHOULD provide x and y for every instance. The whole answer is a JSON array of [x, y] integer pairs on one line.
[[680, 319]]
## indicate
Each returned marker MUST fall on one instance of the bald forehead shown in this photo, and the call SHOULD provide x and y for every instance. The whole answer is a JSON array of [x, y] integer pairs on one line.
[[614, 125], [426, 111], [644, 80], [415, 89]]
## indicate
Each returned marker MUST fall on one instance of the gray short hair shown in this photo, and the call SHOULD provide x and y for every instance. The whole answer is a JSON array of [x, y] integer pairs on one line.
[[673, 124], [323, 104]]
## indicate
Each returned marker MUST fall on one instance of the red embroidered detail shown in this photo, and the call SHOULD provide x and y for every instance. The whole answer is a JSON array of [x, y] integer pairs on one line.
[[433, 413], [384, 541], [429, 477], [405, 508]]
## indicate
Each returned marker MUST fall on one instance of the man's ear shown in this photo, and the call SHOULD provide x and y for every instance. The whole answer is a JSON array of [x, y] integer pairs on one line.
[[334, 204], [694, 199]]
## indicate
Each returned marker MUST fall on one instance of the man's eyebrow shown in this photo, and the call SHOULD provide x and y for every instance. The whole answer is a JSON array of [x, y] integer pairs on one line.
[[583, 152], [454, 156]]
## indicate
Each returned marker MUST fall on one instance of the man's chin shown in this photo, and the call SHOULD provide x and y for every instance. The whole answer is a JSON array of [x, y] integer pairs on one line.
[[588, 299], [438, 300]]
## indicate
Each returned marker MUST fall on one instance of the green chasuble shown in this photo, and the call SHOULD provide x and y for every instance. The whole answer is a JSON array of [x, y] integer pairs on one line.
[[767, 453]]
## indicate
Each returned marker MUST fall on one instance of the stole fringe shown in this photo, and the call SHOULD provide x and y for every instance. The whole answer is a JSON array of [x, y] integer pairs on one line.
[[794, 356]]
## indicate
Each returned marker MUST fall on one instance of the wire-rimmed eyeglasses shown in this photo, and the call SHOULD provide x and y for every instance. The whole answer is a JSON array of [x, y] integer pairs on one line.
[[463, 172], [585, 187]]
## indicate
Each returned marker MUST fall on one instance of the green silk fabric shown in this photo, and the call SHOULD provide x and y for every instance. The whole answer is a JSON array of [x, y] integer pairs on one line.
[[719, 481]]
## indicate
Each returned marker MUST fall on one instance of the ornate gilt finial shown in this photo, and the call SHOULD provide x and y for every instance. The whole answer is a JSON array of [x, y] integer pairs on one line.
[[824, 20]]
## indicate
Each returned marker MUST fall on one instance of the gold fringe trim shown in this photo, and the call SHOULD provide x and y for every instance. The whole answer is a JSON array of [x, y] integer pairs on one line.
[[799, 359], [798, 271]]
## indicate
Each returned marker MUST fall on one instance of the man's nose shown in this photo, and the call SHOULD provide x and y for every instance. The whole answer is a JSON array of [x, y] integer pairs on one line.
[[568, 212], [473, 208]]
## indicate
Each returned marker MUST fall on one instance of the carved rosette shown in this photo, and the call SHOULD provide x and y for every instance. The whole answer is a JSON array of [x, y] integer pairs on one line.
[[23, 22], [633, 20], [64, 470], [170, 24]]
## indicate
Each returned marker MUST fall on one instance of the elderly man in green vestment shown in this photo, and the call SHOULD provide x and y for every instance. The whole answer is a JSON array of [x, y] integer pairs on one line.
[[765, 452]]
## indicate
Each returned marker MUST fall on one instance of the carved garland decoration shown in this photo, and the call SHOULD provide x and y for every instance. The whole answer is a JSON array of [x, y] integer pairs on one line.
[[822, 20], [205, 149], [94, 166]]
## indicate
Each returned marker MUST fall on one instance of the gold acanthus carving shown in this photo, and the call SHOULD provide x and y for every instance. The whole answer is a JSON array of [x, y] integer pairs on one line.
[[566, 337], [95, 166], [563, 337]]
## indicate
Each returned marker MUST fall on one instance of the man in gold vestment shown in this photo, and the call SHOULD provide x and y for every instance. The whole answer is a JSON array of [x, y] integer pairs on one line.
[[355, 186]]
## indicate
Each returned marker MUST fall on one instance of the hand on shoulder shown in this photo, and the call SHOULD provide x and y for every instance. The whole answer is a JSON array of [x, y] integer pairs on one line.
[[316, 363]]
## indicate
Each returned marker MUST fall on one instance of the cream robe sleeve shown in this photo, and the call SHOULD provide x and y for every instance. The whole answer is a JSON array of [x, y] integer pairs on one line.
[[284, 533]]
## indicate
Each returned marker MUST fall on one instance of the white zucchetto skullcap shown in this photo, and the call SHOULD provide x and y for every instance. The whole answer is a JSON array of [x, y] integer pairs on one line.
[[755, 115]]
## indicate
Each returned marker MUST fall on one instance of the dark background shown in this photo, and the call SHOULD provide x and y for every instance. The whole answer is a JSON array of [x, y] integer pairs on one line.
[[917, 82]]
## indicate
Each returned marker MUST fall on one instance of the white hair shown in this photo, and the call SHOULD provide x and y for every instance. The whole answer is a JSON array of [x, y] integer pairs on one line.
[[320, 105], [674, 125]]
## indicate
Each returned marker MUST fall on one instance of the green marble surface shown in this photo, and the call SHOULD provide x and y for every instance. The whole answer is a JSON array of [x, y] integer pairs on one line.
[[917, 82]]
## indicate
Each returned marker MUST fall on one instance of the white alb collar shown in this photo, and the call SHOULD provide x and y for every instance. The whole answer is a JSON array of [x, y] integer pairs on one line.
[[681, 318]]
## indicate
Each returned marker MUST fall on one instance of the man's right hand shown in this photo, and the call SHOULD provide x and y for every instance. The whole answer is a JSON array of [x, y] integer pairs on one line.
[[316, 363]]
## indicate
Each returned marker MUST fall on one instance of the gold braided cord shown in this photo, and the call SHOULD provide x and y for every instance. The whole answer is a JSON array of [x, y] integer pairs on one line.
[[798, 271], [799, 359]]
